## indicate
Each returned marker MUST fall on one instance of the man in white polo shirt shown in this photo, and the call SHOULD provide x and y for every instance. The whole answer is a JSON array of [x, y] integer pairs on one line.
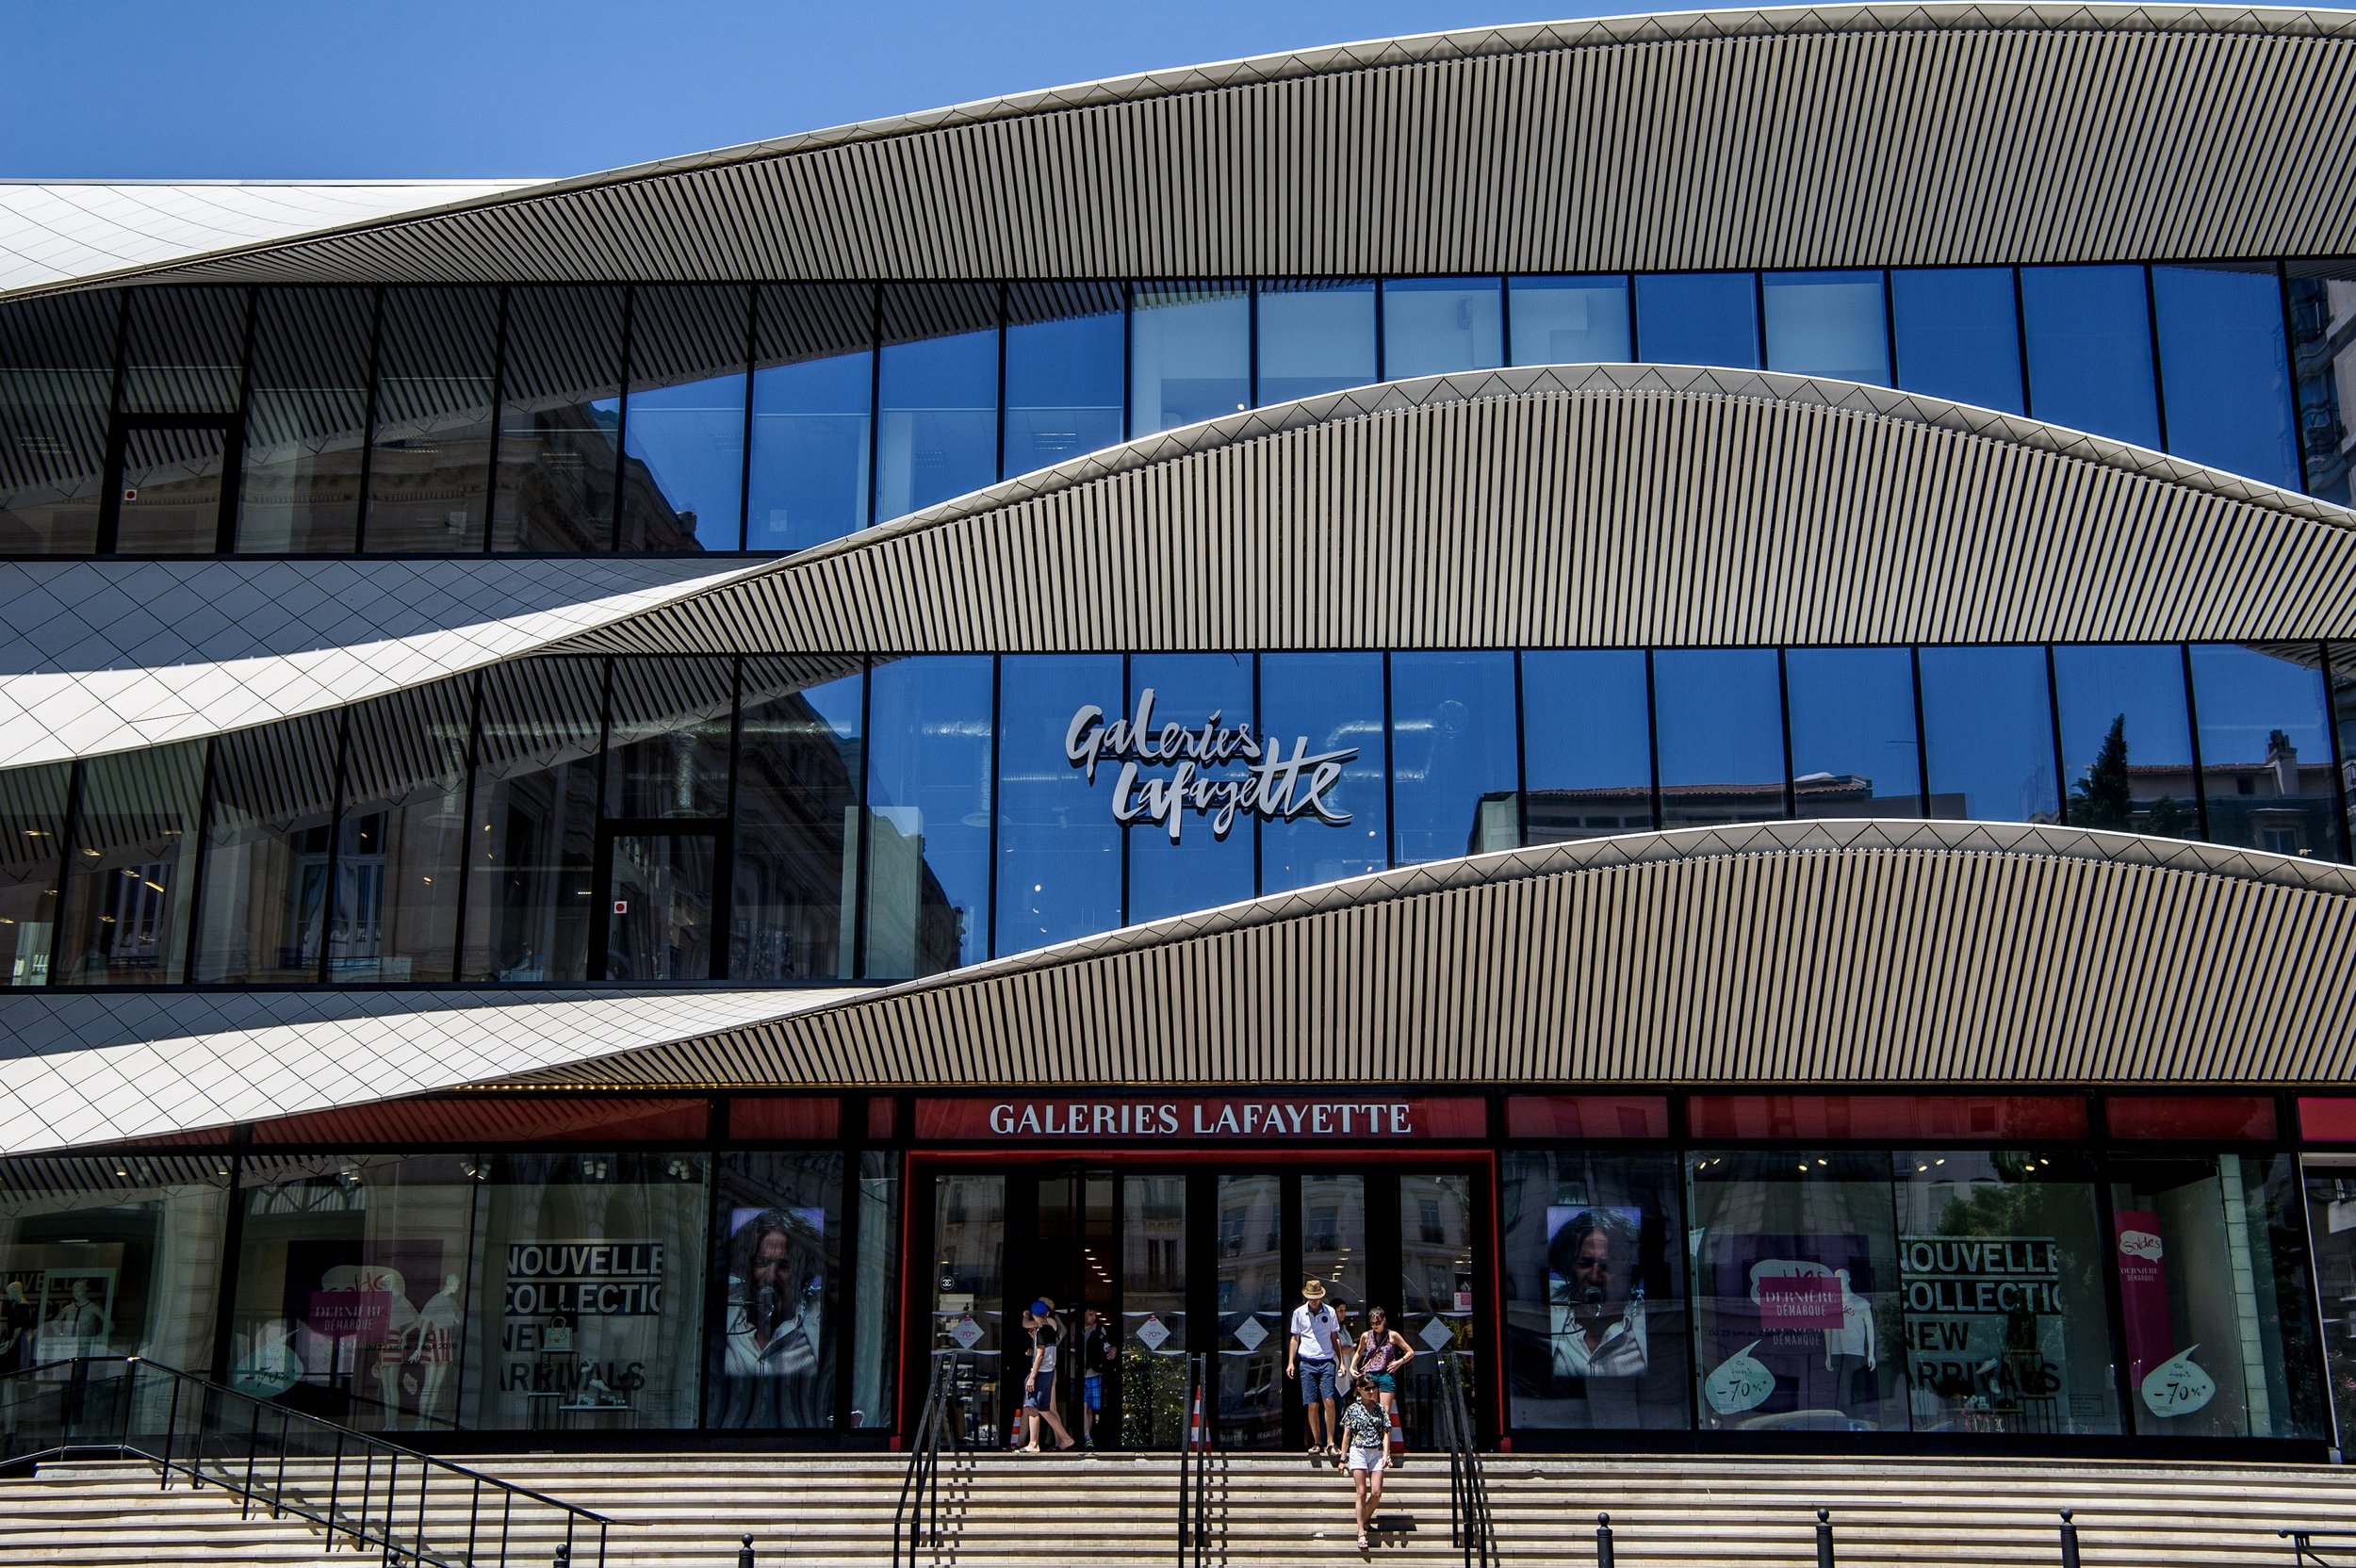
[[1309, 1355]]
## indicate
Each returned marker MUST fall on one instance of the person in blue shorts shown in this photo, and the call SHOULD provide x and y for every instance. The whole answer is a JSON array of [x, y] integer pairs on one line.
[[1310, 1355], [1097, 1357]]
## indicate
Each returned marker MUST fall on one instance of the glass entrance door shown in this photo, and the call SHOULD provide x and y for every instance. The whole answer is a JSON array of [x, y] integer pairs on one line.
[[661, 898]]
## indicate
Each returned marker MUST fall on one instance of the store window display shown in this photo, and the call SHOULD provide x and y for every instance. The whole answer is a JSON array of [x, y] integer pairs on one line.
[[111, 1257], [777, 1243]]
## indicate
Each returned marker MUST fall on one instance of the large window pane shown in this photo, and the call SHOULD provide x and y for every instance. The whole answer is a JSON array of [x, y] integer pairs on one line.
[[1720, 713], [2212, 1289], [1315, 337], [2323, 353], [1697, 319], [2089, 333], [1569, 320], [1595, 1290], [270, 814], [683, 428], [2332, 1231], [1796, 1292], [559, 420], [528, 898], [1064, 344], [667, 740], [1190, 353], [1454, 771], [2224, 370], [936, 430], [1827, 324], [875, 1338], [2265, 754], [1432, 326], [306, 421], [1587, 744], [1988, 734], [2126, 741], [32, 844], [776, 1248], [125, 918], [182, 358], [1958, 335], [118, 1255], [797, 809], [813, 385], [1324, 705], [57, 385], [184, 349], [430, 463], [930, 809], [2007, 1323], [1202, 868], [400, 837], [1058, 845], [1852, 739]]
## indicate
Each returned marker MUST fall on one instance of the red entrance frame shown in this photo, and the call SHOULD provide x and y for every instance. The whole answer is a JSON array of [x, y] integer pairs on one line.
[[920, 1163]]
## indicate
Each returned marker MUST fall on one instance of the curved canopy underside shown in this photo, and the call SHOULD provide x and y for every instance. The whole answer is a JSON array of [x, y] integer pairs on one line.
[[1823, 951], [1565, 506], [1754, 138]]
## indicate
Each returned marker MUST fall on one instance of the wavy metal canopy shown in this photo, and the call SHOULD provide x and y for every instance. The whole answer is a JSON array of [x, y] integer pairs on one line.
[[1801, 137]]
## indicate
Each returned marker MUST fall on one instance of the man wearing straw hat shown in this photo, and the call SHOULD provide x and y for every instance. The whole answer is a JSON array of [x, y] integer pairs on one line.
[[1309, 1355]]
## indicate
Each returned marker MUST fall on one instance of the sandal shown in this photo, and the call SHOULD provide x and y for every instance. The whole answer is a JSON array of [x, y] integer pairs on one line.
[[1364, 1545]]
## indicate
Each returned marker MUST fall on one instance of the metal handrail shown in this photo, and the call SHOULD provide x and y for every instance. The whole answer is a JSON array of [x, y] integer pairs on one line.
[[263, 1437], [1194, 1468], [917, 1520], [2304, 1545], [1469, 1523]]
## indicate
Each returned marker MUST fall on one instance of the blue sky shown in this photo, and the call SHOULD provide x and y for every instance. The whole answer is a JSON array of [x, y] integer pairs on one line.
[[328, 89]]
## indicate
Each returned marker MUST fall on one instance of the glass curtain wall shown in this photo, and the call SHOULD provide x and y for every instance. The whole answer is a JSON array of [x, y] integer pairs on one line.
[[684, 420], [1064, 349], [306, 421], [936, 397], [57, 394], [33, 805], [812, 430], [1314, 337], [432, 425]]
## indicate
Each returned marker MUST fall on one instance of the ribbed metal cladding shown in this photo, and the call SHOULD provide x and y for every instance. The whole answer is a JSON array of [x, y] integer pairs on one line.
[[1600, 506], [1816, 138], [1839, 952]]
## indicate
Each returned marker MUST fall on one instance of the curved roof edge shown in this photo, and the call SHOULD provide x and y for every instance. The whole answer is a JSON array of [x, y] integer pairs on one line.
[[1415, 49]]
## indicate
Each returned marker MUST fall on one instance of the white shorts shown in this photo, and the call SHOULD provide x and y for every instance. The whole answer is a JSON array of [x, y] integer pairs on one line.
[[1369, 1458]]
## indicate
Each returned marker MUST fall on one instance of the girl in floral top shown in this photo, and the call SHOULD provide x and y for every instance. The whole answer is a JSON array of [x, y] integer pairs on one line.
[[1368, 1431]]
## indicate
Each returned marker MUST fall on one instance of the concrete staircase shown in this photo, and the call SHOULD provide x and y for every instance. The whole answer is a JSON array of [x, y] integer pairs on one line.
[[999, 1511]]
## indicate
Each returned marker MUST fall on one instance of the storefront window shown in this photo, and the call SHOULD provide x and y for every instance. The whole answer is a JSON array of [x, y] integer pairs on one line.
[[305, 421], [115, 1255], [874, 1343], [1719, 713], [684, 427], [1854, 743], [2089, 335], [2214, 1297], [1199, 868], [798, 788], [271, 813], [937, 396], [2126, 742], [1058, 843], [559, 420], [1796, 1292], [929, 810], [1698, 319], [2224, 371], [1569, 320], [1315, 337], [32, 841], [776, 1248], [1827, 324], [1587, 744], [1594, 1291], [1434, 326], [1326, 704], [2006, 1321], [430, 462], [2331, 1230], [813, 388], [1190, 353], [2265, 754], [1988, 734], [1453, 764], [1064, 343], [1958, 335]]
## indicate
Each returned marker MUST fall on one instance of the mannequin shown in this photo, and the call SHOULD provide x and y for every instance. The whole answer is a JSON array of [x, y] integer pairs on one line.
[[20, 1325], [400, 1317], [1850, 1349], [436, 1334]]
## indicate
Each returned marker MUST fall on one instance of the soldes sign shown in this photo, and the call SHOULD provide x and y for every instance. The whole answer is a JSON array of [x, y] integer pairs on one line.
[[1253, 1117]]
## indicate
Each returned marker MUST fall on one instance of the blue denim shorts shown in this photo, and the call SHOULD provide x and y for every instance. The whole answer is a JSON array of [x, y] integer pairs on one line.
[[1316, 1381]]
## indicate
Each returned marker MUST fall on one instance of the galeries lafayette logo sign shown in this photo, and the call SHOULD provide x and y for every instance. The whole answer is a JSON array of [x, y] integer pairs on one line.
[[1272, 785], [1259, 1118]]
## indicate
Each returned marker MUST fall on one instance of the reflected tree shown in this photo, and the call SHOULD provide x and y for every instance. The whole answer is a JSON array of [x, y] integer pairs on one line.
[[2105, 797]]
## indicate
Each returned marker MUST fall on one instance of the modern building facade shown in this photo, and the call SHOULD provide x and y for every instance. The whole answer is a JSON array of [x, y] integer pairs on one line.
[[1676, 695]]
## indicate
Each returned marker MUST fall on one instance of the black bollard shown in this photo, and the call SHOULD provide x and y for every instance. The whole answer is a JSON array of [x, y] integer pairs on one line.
[[2068, 1541], [744, 1554], [565, 1554], [1824, 1537], [1603, 1541]]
